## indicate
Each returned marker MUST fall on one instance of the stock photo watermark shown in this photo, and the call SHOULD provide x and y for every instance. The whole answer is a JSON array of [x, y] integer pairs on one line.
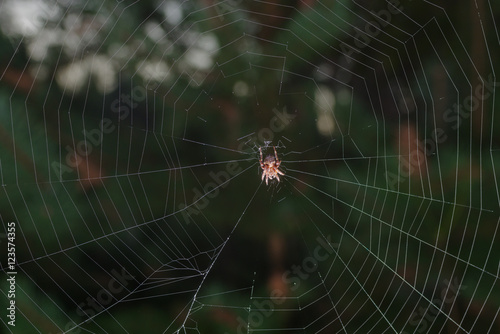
[[105, 297], [425, 316], [227, 6], [220, 179], [264, 308], [372, 28], [11, 273], [453, 116], [309, 265], [93, 138], [277, 124]]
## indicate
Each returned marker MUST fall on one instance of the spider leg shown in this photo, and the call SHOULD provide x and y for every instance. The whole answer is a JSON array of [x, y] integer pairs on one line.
[[263, 175], [261, 163], [277, 163], [277, 177], [279, 172], [267, 179]]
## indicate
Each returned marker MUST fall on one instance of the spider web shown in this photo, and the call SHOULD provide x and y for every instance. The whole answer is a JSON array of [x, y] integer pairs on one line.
[[130, 166]]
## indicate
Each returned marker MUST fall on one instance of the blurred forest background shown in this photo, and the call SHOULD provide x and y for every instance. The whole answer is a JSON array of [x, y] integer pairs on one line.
[[167, 89]]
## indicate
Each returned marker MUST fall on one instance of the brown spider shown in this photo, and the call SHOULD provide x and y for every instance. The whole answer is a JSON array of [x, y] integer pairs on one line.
[[270, 166]]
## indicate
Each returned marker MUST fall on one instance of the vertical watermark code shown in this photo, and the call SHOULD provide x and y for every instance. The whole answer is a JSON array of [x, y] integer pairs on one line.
[[11, 273]]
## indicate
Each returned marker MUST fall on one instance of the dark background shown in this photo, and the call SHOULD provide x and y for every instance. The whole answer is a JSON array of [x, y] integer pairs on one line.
[[185, 89]]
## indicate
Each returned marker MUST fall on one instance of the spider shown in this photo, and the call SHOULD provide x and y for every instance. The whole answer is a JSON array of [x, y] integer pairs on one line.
[[270, 166]]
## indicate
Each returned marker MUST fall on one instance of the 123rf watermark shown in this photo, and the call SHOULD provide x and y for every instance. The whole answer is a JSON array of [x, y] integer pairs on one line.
[[11, 273]]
